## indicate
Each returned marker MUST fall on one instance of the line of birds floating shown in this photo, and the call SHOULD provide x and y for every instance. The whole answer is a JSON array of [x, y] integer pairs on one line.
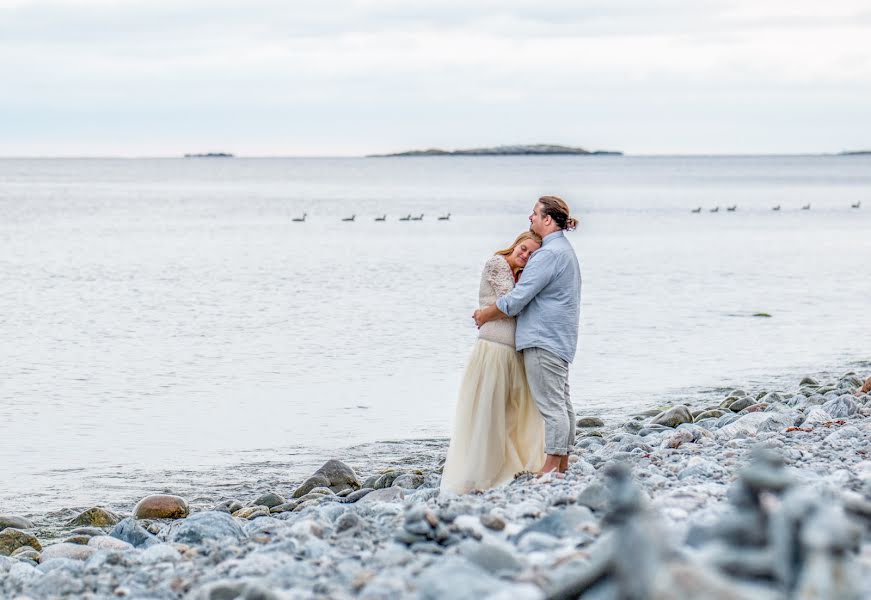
[[734, 207], [352, 218]]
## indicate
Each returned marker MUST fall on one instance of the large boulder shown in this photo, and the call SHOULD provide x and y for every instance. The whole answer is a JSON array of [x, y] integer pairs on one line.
[[161, 506], [209, 525], [12, 539], [95, 517], [674, 416]]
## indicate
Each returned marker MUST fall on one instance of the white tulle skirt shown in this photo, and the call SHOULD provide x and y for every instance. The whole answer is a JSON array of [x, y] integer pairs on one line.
[[498, 430]]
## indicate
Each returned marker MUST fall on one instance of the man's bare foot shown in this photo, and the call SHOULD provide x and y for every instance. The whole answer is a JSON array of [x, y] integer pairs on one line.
[[551, 463]]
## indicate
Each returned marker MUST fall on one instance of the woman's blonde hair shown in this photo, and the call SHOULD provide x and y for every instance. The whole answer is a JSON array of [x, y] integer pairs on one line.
[[526, 235], [557, 209]]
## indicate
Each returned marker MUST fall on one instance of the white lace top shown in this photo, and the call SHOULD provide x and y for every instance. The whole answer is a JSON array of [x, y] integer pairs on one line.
[[496, 281]]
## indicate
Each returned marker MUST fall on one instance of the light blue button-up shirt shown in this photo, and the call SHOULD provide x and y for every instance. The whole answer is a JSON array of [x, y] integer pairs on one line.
[[547, 299]]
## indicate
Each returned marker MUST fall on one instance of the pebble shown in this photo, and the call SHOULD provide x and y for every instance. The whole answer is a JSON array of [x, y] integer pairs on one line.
[[405, 540]]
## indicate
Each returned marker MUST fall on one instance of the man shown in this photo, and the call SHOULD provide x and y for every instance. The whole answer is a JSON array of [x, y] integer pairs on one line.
[[548, 301]]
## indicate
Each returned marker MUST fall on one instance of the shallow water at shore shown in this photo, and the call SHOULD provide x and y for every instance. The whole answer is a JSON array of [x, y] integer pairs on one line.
[[166, 321]]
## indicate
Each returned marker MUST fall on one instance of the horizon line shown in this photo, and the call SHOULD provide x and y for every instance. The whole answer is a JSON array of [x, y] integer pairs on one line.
[[382, 156]]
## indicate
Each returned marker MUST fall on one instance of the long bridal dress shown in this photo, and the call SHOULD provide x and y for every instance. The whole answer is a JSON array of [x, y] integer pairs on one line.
[[498, 430]]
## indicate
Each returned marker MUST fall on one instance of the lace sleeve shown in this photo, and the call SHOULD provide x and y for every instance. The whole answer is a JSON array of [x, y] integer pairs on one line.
[[498, 275]]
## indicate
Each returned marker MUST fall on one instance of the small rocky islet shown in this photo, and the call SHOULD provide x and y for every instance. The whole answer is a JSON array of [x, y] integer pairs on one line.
[[761, 495]]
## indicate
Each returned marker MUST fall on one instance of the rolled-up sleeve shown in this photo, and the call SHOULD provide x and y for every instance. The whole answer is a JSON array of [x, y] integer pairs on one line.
[[537, 274]]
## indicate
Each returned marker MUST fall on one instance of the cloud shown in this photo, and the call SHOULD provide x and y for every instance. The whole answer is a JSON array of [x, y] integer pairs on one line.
[[385, 62]]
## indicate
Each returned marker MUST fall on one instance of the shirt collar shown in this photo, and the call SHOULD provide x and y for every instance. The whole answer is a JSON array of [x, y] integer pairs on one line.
[[551, 237]]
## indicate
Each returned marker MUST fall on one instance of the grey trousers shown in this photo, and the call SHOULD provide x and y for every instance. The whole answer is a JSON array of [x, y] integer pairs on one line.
[[548, 377]]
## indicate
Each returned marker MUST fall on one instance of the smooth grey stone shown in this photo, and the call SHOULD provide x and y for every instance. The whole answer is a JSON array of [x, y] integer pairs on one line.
[[727, 419], [595, 496], [589, 442], [386, 480], [209, 525], [315, 481], [89, 531], [590, 422], [741, 403], [68, 564], [841, 407], [702, 468], [714, 413], [128, 530], [14, 522], [159, 553], [66, 550], [673, 417], [559, 523], [844, 433], [230, 589], [269, 500], [633, 426], [383, 495], [491, 521], [409, 481], [809, 381], [339, 475], [229, 506], [355, 496], [493, 559], [536, 541], [458, 579], [57, 584], [371, 481], [286, 507], [109, 543], [348, 520], [773, 397]]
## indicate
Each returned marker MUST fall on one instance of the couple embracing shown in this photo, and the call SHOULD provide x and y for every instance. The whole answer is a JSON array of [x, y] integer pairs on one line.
[[514, 411]]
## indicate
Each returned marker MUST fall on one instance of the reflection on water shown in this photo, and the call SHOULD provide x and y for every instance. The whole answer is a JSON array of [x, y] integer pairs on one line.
[[163, 319]]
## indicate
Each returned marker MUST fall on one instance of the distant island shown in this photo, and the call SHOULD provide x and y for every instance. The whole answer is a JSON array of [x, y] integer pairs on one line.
[[854, 152], [519, 150], [210, 155]]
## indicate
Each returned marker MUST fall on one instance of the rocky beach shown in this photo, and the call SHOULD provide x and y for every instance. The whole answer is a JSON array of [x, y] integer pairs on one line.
[[763, 493]]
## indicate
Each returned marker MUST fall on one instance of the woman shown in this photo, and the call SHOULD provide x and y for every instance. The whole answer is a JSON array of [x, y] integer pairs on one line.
[[498, 430]]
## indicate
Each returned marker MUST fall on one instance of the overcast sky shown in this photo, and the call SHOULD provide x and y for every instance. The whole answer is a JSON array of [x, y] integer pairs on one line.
[[346, 77]]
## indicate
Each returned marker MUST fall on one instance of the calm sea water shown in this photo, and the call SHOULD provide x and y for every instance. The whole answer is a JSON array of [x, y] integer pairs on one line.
[[166, 317]]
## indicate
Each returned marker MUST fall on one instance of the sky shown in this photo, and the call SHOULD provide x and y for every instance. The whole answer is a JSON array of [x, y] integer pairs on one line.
[[353, 77]]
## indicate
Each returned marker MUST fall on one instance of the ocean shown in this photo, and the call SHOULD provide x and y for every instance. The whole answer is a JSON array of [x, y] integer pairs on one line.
[[166, 324]]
